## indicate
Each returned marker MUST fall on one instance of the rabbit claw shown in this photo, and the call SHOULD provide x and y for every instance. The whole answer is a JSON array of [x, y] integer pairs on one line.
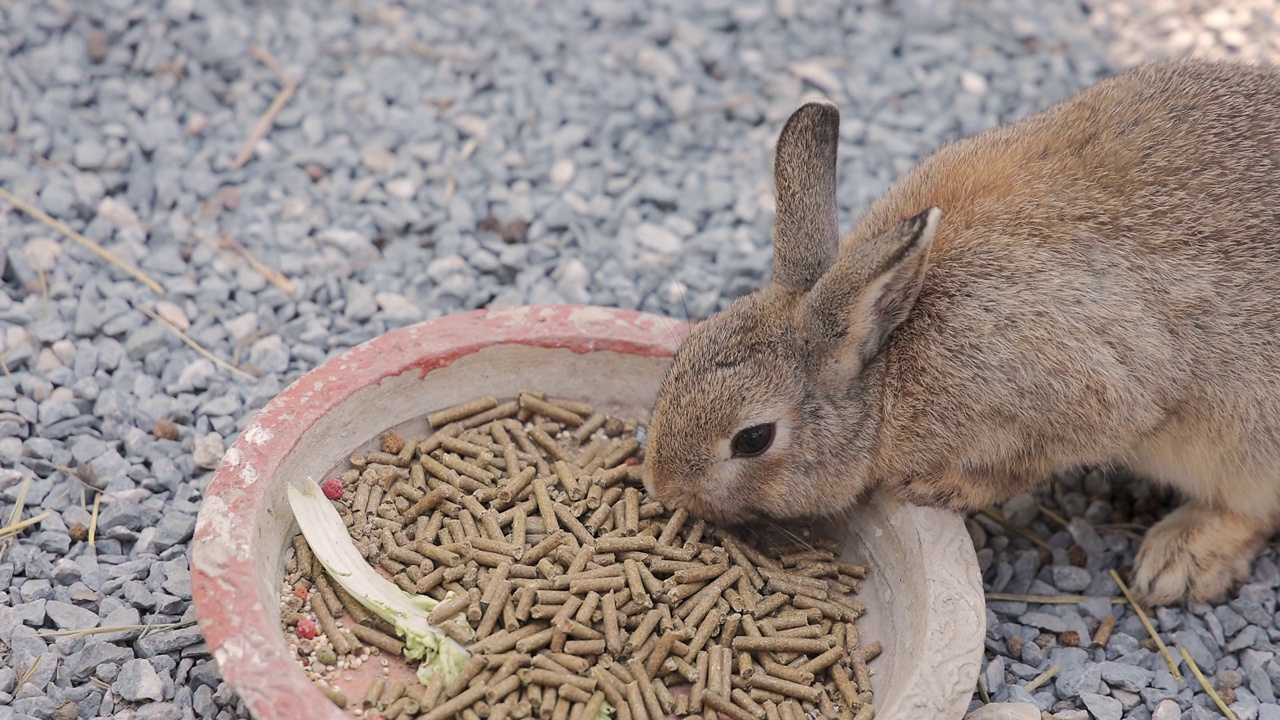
[[1197, 554]]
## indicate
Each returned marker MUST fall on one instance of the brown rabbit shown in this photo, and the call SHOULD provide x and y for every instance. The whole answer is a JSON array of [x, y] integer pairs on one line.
[[1097, 284]]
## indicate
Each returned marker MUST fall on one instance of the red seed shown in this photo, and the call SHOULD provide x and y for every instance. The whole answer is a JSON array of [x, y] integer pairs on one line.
[[631, 461], [332, 488], [306, 629], [301, 592]]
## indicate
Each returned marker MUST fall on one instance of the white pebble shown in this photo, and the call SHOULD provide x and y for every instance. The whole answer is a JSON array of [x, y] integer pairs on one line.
[[65, 350], [657, 238], [242, 326], [117, 213], [1220, 18], [817, 74], [208, 451], [398, 307], [377, 159], [657, 63], [43, 253], [197, 124], [562, 172], [573, 281], [1167, 710], [681, 100], [473, 125], [973, 83], [47, 361], [403, 188], [173, 314], [293, 208], [1234, 38]]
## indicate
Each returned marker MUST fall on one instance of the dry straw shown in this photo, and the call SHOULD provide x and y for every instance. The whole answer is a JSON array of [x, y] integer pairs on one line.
[[1146, 622], [81, 240]]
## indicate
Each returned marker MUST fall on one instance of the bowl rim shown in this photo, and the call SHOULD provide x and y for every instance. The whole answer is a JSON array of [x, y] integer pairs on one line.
[[235, 625], [237, 628]]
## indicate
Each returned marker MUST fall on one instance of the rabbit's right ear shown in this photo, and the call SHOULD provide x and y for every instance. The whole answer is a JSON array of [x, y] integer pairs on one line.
[[806, 228], [861, 300]]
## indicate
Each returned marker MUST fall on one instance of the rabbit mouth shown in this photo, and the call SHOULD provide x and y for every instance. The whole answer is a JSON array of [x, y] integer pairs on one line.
[[713, 512]]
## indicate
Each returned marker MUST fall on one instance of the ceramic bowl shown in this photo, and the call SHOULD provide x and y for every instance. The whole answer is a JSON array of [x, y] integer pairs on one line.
[[924, 595]]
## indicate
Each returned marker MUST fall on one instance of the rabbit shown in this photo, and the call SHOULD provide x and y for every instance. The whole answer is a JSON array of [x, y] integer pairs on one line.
[[1094, 285]]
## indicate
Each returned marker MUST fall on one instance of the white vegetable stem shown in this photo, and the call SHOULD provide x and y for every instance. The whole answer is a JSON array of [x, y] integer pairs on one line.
[[331, 543]]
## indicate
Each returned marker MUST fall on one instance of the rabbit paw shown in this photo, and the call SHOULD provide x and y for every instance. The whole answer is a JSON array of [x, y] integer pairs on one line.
[[1196, 553]]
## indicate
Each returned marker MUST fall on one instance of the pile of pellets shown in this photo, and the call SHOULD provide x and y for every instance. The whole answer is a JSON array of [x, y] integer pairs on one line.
[[528, 519]]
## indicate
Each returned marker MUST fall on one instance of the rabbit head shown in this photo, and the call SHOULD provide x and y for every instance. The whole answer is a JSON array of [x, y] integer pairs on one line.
[[771, 408]]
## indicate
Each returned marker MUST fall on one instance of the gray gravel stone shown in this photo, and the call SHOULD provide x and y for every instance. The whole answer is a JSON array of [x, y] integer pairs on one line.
[[202, 702], [993, 675], [138, 681], [174, 528], [1197, 649], [122, 513], [208, 451], [32, 704], [1044, 621], [1102, 707], [1131, 678], [159, 711], [96, 652], [1069, 578], [66, 616], [31, 613], [1166, 710], [167, 641], [1077, 679]]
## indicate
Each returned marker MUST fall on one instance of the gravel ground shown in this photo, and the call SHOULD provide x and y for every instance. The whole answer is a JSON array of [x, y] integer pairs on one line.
[[451, 155]]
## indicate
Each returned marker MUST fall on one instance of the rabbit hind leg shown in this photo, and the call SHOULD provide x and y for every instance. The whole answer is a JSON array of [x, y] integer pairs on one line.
[[1200, 551]]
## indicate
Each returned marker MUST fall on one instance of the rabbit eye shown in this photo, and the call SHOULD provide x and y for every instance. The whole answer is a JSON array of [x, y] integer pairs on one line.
[[753, 440]]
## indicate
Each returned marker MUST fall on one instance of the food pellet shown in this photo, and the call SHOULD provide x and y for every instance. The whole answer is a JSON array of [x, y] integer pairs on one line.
[[572, 589]]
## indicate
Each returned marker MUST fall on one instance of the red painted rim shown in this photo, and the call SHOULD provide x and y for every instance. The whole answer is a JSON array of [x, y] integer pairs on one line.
[[251, 652]]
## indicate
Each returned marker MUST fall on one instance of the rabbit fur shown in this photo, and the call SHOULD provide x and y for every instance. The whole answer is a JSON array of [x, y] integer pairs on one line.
[[1095, 285]]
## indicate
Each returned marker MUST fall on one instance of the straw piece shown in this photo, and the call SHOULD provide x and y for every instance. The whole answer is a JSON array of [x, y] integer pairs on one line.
[[1195, 670], [264, 123], [1146, 622], [195, 345], [1034, 538], [1054, 516], [1041, 679], [273, 276], [17, 527], [86, 632], [81, 240], [93, 518]]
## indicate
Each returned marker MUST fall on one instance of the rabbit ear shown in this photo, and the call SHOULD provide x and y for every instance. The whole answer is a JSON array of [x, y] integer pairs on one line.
[[806, 228], [869, 292]]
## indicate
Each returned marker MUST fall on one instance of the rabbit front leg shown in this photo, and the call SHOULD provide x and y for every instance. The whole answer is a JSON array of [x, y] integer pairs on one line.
[[1198, 553]]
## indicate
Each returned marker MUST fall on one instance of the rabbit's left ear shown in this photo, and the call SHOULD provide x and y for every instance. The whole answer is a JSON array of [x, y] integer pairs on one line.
[[806, 228], [866, 294]]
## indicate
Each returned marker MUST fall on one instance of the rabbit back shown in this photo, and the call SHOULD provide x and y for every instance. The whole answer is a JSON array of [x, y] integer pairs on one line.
[[1104, 285]]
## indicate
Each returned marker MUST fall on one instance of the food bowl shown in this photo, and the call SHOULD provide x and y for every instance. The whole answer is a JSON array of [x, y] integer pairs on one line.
[[923, 595]]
